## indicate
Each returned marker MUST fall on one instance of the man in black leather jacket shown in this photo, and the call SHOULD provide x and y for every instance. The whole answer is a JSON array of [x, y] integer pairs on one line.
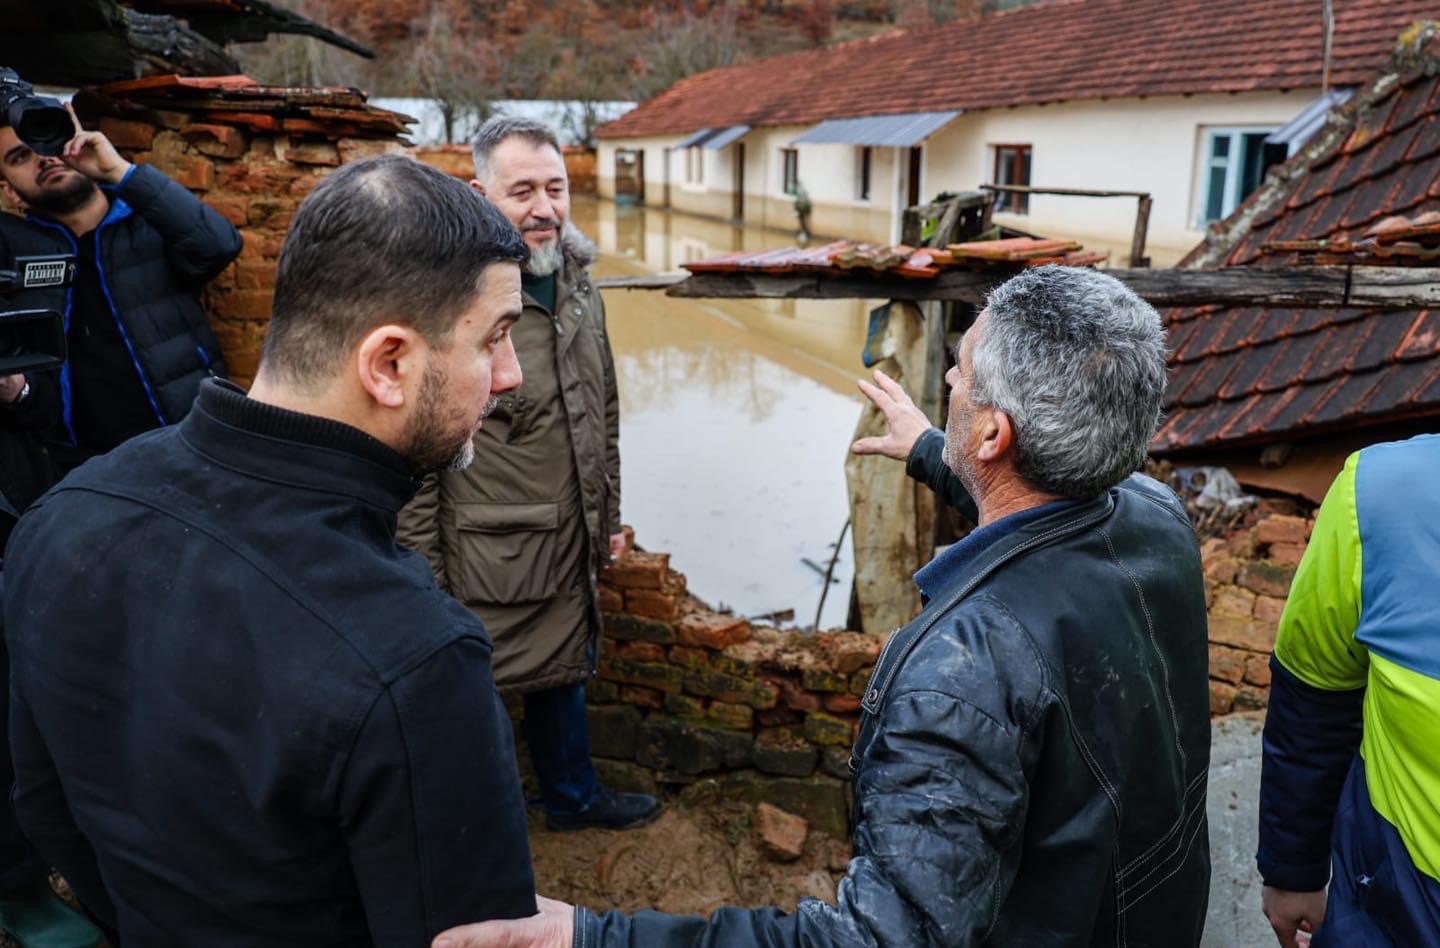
[[1032, 759]]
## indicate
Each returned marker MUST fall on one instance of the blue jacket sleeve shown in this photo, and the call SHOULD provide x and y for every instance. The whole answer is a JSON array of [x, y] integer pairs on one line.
[[199, 242], [926, 465]]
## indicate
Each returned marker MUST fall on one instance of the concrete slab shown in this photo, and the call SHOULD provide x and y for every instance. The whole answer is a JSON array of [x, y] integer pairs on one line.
[[1234, 919]]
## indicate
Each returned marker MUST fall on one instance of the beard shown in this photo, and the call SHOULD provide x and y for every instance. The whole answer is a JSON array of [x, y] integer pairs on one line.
[[957, 429], [437, 439], [57, 202], [548, 258]]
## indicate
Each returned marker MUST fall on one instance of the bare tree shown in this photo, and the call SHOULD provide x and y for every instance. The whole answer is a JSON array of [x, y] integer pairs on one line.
[[683, 44]]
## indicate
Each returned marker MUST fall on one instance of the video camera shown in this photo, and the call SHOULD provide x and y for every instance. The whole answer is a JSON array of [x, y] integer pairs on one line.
[[40, 121], [33, 339]]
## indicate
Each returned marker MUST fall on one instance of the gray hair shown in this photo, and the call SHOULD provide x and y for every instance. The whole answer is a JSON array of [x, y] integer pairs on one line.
[[1077, 361], [500, 127]]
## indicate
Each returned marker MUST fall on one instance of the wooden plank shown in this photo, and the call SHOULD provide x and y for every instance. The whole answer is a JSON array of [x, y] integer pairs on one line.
[[648, 281], [1235, 286]]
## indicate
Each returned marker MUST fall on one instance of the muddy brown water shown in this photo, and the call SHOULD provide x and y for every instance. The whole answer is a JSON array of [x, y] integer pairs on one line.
[[735, 417]]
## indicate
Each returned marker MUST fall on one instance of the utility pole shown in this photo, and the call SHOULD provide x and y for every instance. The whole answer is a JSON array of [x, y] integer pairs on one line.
[[1327, 17]]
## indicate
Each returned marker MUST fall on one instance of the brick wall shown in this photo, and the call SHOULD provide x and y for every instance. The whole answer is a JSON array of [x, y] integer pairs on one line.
[[686, 695], [255, 181], [1247, 577]]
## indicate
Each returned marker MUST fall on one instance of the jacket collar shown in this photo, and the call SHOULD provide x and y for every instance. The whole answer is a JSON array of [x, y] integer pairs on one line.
[[1055, 524], [119, 210], [278, 445]]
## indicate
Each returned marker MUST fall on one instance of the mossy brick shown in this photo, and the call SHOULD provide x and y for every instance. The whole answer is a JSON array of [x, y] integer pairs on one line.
[[731, 665], [637, 570], [860, 681], [669, 745], [828, 730], [835, 761], [685, 708], [641, 651], [1266, 579], [781, 751], [611, 599], [642, 697], [625, 776], [649, 674], [780, 717], [732, 688], [745, 658], [613, 729], [601, 692], [823, 679], [1250, 698], [730, 717], [823, 801], [632, 628], [713, 630], [689, 658], [794, 697]]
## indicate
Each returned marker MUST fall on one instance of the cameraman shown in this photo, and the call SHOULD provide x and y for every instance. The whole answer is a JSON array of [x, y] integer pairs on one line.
[[138, 339]]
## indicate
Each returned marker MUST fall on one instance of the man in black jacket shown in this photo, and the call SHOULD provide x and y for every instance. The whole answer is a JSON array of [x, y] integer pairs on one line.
[[241, 715], [138, 339], [1033, 752]]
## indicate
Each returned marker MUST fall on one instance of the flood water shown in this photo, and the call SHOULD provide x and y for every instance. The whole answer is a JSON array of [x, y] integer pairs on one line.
[[735, 418]]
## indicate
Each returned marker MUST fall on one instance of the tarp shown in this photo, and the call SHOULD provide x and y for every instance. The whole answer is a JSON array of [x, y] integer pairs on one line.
[[899, 131], [695, 138], [725, 136]]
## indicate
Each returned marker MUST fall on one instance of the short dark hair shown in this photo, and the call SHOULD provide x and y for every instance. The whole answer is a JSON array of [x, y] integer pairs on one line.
[[383, 240], [500, 127]]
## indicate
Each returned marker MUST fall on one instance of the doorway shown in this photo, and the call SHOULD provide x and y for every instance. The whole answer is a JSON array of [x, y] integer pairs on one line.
[[737, 210]]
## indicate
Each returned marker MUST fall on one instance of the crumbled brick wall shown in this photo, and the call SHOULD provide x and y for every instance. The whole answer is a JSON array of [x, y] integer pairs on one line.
[[455, 160], [255, 181], [1247, 578], [687, 695]]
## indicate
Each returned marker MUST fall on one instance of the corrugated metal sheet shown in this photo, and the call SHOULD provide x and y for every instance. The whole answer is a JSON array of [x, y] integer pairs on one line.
[[725, 136], [899, 131], [695, 138], [1311, 119]]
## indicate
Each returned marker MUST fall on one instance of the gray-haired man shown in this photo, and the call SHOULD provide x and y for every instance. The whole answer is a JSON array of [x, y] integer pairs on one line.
[[1032, 758], [518, 535]]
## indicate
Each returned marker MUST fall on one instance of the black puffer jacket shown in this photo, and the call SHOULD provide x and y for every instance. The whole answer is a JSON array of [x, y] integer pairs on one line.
[[158, 245], [1032, 763]]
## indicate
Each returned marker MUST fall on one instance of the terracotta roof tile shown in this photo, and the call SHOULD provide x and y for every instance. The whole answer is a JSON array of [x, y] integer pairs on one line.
[[1423, 338], [1042, 53]]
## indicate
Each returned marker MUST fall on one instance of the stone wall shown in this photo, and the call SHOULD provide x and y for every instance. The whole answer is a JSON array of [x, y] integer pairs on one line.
[[705, 702], [1247, 578]]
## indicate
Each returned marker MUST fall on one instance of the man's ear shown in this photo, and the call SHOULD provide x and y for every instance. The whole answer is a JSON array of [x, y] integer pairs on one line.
[[997, 435], [389, 362], [9, 196], [475, 183]]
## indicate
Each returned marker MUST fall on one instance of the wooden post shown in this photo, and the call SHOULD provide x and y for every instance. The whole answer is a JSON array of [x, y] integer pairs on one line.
[[1142, 225]]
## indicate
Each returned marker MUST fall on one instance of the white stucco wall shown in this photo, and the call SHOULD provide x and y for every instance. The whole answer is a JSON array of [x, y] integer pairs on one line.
[[1152, 145]]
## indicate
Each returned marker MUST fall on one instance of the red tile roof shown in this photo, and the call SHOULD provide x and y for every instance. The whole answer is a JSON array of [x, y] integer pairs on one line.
[[1252, 375], [1050, 52]]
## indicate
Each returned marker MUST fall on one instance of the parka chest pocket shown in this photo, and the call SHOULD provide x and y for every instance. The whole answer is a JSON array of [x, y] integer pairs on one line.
[[507, 552]]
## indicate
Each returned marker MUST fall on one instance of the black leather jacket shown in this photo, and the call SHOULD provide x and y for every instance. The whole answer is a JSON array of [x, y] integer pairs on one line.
[[1032, 762]]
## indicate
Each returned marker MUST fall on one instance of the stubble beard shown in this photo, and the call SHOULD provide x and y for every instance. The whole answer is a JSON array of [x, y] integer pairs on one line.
[[957, 429], [435, 441], [58, 203]]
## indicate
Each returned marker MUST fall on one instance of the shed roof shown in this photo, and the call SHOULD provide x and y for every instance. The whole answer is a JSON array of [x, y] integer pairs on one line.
[[1247, 375], [1057, 51]]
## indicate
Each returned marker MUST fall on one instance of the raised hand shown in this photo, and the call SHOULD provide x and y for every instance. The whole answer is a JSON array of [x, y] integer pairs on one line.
[[904, 421], [91, 154]]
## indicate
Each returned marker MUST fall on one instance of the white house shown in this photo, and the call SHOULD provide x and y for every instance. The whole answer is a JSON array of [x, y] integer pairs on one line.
[[1188, 102]]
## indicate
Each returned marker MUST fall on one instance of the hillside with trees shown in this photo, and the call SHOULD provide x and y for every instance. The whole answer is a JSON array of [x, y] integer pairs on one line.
[[469, 53]]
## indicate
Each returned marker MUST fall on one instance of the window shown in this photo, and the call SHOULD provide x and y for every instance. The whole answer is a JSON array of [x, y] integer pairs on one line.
[[694, 166], [1234, 163], [790, 169], [1012, 166], [863, 160]]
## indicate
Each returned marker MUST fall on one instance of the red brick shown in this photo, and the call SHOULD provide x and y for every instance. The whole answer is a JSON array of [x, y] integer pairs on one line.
[[779, 834], [219, 141], [1281, 528], [1222, 696], [848, 652], [712, 630], [1242, 633], [1232, 602], [796, 698], [1221, 569], [689, 658], [357, 149], [842, 704], [637, 571], [1286, 554], [611, 599], [1228, 664], [243, 304], [652, 604], [1268, 609], [1257, 670], [231, 208], [308, 153], [255, 275], [189, 171], [272, 213], [1266, 579], [127, 135], [1250, 698], [642, 697], [641, 651]]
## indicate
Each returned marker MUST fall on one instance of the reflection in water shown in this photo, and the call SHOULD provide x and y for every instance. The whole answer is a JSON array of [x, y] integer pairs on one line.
[[735, 417]]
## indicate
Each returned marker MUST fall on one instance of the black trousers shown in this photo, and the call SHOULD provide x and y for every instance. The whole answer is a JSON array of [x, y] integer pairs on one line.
[[20, 866]]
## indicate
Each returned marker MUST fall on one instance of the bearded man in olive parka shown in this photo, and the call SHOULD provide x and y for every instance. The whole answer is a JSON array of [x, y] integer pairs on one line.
[[518, 537]]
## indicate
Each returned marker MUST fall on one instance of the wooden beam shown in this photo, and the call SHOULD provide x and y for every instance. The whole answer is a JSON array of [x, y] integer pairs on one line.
[[1232, 286]]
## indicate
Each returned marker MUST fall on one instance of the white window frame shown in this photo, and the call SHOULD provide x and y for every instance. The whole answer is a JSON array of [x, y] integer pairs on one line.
[[694, 178], [1232, 168], [784, 177]]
